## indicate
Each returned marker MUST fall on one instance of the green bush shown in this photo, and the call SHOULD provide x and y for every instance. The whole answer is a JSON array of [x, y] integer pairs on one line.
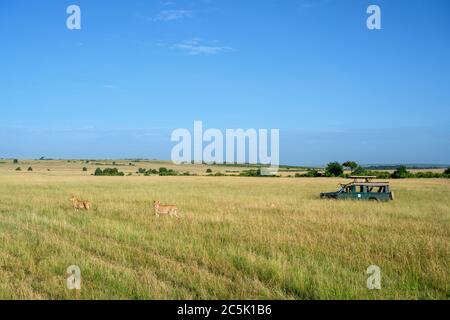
[[359, 171], [30, 169], [167, 172], [401, 173], [350, 164], [18, 169], [112, 172], [251, 173], [208, 170], [334, 169], [428, 174], [379, 174], [150, 172], [447, 171], [15, 161], [311, 173], [85, 169]]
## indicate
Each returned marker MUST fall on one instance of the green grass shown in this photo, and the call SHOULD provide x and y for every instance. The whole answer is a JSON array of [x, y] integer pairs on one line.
[[238, 238]]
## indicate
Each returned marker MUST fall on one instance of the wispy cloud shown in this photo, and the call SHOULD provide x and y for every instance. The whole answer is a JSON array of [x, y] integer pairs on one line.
[[168, 3], [171, 15], [196, 47], [307, 4]]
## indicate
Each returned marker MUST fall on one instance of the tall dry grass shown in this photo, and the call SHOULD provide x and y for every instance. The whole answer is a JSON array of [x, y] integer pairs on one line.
[[249, 238]]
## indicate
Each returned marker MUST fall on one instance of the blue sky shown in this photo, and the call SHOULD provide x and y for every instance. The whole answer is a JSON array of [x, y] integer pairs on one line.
[[139, 69]]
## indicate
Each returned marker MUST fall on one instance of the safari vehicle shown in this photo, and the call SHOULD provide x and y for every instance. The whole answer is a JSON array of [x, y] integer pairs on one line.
[[362, 188]]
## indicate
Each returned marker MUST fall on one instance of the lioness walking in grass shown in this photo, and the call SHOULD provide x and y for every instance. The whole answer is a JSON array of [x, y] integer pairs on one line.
[[80, 204], [165, 209]]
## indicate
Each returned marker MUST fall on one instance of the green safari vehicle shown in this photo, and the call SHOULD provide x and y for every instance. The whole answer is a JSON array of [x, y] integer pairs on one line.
[[362, 188]]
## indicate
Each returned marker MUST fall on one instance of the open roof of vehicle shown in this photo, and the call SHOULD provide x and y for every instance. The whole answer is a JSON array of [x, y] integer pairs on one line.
[[363, 177], [369, 184]]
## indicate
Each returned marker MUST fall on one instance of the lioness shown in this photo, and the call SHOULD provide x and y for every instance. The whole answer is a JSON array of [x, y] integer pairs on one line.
[[80, 204], [164, 209]]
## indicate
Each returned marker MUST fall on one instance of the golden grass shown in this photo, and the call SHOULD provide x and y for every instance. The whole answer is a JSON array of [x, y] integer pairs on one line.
[[249, 238]]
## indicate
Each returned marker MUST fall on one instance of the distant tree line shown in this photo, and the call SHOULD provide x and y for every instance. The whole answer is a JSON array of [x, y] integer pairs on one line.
[[112, 172], [251, 173], [336, 169], [161, 172]]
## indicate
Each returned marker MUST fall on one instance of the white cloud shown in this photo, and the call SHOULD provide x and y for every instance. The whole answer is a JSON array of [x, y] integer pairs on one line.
[[196, 47], [170, 15]]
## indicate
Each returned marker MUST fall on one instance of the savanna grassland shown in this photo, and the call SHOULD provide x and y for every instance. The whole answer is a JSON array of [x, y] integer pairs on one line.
[[238, 237]]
